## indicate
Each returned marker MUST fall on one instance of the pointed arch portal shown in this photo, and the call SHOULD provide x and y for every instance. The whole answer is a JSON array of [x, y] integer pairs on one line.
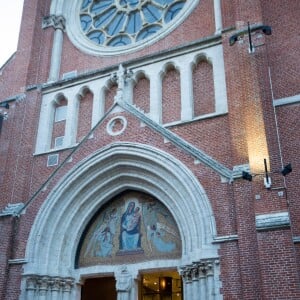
[[91, 185]]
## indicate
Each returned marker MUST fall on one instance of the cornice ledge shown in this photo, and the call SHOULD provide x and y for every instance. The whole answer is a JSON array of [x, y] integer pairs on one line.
[[17, 98], [12, 209], [296, 239], [287, 100], [237, 171], [17, 261], [272, 221], [225, 238]]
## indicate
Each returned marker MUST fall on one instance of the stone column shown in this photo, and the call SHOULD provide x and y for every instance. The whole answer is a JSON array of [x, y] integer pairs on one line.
[[186, 274], [124, 283], [98, 89], [221, 105], [31, 287], [210, 280], [43, 287], [195, 280], [55, 288], [199, 280], [45, 124], [186, 87], [202, 282], [47, 287], [218, 15], [67, 285], [58, 23], [155, 95], [71, 120]]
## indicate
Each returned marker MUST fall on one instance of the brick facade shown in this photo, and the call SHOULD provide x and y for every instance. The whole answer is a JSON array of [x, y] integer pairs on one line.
[[193, 112]]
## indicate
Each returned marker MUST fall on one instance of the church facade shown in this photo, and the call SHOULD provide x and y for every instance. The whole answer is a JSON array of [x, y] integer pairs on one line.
[[150, 150]]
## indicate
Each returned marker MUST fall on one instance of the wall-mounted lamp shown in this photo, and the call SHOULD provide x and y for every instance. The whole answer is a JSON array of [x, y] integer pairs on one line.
[[265, 29], [3, 116], [286, 170], [267, 179], [247, 176], [5, 105]]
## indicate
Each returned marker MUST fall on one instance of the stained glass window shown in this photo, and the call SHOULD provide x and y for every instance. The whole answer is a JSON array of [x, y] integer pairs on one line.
[[116, 23]]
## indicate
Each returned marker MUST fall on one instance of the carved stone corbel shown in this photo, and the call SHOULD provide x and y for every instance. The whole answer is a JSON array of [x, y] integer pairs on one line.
[[57, 22]]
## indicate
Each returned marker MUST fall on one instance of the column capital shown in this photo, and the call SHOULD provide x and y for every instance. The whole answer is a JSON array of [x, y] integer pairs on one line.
[[67, 284], [54, 283], [31, 283], [57, 22], [44, 283], [187, 273]]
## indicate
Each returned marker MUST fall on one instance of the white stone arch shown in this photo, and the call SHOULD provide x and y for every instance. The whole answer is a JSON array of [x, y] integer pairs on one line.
[[167, 65], [203, 56], [65, 214], [47, 115], [58, 227]]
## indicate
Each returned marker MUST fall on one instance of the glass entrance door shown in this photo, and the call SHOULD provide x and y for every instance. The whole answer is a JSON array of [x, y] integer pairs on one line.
[[164, 285]]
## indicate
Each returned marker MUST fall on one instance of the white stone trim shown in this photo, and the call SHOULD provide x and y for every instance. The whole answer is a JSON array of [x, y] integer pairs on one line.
[[17, 261], [226, 238], [64, 215], [110, 125], [296, 239], [186, 90], [287, 100], [218, 15], [58, 22], [98, 85], [201, 280], [72, 119], [12, 209], [47, 113], [272, 221]]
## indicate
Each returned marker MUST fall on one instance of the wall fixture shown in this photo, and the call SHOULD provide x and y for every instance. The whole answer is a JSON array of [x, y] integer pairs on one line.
[[265, 29], [3, 115], [5, 105], [267, 179]]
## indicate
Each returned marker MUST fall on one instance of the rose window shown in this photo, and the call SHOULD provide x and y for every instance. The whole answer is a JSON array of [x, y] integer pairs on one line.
[[116, 23]]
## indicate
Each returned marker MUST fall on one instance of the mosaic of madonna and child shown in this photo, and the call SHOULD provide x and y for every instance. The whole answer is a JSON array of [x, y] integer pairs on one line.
[[132, 227]]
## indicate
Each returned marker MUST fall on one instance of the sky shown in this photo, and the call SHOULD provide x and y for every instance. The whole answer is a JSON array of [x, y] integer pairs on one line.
[[10, 20]]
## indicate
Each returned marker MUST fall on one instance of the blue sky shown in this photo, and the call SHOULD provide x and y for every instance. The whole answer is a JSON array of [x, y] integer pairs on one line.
[[10, 19]]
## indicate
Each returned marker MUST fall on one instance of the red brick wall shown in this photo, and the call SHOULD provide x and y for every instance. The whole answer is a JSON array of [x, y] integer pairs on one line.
[[279, 276], [58, 127], [289, 134], [171, 102], [110, 97], [85, 115], [283, 45], [203, 88], [260, 265], [141, 94]]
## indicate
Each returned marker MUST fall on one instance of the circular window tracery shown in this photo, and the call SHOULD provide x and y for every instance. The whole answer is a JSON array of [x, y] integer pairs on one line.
[[117, 23]]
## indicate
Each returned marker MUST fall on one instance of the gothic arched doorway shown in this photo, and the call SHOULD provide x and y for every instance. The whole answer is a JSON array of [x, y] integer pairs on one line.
[[64, 219]]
